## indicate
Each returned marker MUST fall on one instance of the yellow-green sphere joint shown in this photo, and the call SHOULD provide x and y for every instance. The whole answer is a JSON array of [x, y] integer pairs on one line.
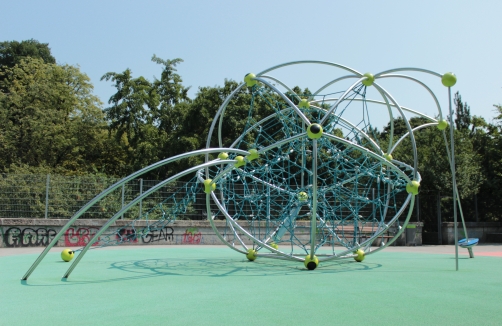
[[253, 154], [274, 245], [250, 82], [311, 263], [412, 187], [304, 104], [369, 80], [240, 161], [359, 255], [251, 255], [442, 124], [223, 156], [67, 255], [314, 131], [209, 186], [302, 196], [388, 157], [449, 79]]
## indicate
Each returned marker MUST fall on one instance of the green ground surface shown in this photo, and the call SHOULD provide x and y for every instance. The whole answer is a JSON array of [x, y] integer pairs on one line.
[[216, 286]]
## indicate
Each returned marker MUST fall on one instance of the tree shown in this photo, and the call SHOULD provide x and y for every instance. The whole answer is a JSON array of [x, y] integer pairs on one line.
[[144, 115], [463, 113], [49, 116]]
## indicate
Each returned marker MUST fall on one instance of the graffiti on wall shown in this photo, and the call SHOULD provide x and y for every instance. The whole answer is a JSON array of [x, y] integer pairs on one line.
[[164, 234], [79, 237], [28, 237], [192, 236], [126, 235]]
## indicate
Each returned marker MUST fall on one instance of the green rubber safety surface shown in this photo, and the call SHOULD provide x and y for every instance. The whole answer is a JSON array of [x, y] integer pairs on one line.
[[217, 286]]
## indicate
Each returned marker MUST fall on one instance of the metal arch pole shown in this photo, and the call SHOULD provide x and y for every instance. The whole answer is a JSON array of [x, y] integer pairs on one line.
[[313, 218], [310, 61], [420, 83], [282, 84], [131, 204], [285, 98], [370, 153], [406, 122], [414, 129], [211, 220], [333, 82], [453, 178], [116, 185], [249, 235], [341, 99], [409, 69], [378, 102], [220, 112], [410, 199]]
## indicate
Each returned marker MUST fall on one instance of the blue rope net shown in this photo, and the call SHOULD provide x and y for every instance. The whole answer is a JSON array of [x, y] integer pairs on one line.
[[273, 194]]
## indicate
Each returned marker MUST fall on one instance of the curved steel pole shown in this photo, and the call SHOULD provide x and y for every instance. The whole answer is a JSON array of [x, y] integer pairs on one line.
[[414, 129], [404, 108], [420, 83], [409, 69], [285, 98], [310, 61], [113, 187], [134, 202], [407, 124], [341, 99]]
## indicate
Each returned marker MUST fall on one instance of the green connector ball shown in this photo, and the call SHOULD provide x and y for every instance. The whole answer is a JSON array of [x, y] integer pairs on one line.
[[359, 255], [249, 79], [302, 196], [412, 187], [223, 156], [253, 154], [314, 131], [442, 124], [251, 255], [368, 81], [449, 79], [311, 264], [274, 245], [304, 104], [240, 161], [388, 157], [67, 254], [208, 186]]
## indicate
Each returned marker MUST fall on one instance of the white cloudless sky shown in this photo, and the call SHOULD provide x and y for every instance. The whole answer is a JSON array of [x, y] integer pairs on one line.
[[223, 39]]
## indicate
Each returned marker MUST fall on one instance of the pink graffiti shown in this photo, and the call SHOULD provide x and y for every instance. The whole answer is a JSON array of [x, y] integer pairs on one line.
[[190, 237], [79, 237]]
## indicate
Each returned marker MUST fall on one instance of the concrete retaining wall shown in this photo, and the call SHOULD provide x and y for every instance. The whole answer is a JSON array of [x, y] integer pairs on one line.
[[40, 232], [486, 232]]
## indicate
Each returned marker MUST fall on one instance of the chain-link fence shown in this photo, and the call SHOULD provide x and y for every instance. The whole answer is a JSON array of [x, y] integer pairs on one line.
[[55, 196]]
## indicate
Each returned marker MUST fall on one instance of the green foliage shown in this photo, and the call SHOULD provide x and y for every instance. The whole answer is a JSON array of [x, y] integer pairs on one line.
[[49, 116], [11, 53]]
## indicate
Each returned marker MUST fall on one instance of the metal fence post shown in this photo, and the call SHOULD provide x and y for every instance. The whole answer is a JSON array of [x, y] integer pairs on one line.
[[476, 207], [123, 193], [440, 232], [141, 201], [418, 208], [47, 195]]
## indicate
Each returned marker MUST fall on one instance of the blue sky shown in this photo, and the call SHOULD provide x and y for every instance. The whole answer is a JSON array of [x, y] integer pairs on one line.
[[227, 39]]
